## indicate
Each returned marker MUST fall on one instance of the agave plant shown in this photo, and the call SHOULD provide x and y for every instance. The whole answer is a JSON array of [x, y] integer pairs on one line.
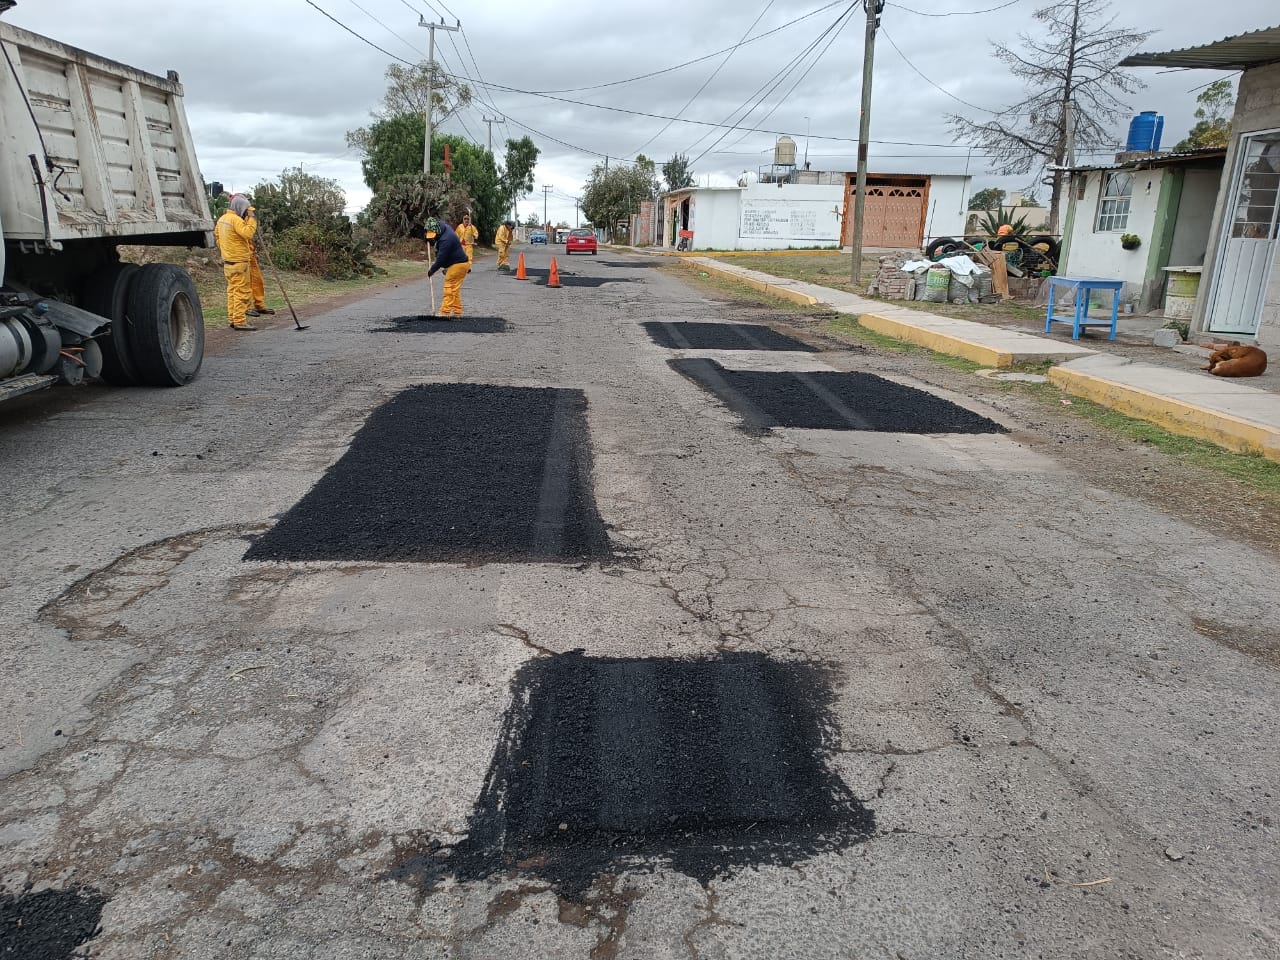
[[993, 220]]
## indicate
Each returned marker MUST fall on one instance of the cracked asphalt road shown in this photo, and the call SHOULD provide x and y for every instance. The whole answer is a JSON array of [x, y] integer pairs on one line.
[[1056, 696]]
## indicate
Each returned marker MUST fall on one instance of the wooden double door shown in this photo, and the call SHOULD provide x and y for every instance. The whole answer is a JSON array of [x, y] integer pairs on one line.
[[894, 211]]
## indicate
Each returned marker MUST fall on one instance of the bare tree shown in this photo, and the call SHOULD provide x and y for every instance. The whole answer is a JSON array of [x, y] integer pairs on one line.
[[1073, 86]]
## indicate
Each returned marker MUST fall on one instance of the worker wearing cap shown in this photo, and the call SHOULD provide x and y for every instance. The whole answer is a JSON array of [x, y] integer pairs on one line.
[[234, 232], [452, 258], [468, 235], [502, 241]]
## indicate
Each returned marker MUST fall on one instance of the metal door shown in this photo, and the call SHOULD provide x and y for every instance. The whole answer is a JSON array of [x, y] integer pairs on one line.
[[893, 214], [1249, 238]]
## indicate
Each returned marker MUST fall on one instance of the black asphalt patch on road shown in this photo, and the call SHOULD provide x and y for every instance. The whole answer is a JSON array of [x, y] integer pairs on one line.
[[605, 764], [49, 925], [432, 324], [454, 472], [721, 336], [571, 280], [830, 401]]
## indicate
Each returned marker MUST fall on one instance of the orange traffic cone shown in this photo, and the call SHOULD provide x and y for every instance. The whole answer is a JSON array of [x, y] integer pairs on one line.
[[553, 279], [520, 274]]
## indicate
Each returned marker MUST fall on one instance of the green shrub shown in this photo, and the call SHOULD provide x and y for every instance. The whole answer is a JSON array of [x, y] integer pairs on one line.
[[331, 250]]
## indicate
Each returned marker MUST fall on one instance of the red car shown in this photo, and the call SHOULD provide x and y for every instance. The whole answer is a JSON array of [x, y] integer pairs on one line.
[[580, 241]]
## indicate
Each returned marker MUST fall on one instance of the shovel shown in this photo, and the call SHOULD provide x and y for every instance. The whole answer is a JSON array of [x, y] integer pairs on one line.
[[262, 248]]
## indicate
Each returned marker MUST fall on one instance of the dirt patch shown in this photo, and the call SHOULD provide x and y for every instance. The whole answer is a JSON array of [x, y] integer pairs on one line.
[[830, 401], [722, 336], [704, 766], [449, 472]]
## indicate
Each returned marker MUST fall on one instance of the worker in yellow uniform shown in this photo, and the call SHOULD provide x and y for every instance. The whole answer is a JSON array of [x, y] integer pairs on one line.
[[235, 232], [468, 234], [452, 259], [256, 285], [503, 239]]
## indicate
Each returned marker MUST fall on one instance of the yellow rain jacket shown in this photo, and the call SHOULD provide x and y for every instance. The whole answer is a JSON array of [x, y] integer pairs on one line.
[[235, 237], [468, 235]]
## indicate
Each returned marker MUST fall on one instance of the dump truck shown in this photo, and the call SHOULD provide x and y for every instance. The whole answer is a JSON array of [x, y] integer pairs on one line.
[[94, 154]]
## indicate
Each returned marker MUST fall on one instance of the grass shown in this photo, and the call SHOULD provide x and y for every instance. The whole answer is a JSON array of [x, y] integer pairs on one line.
[[303, 288], [739, 291], [847, 325]]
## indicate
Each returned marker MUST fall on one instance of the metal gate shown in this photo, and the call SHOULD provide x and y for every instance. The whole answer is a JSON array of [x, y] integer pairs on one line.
[[1249, 241], [894, 211]]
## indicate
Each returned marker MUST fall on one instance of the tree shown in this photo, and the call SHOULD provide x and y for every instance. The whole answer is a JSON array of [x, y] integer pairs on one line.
[[1073, 85], [392, 147], [1213, 118], [989, 199], [532, 222], [611, 195], [676, 173], [406, 95], [517, 170], [297, 198], [1029, 199]]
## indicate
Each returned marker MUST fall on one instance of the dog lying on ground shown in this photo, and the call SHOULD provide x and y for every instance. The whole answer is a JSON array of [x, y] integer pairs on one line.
[[1234, 360]]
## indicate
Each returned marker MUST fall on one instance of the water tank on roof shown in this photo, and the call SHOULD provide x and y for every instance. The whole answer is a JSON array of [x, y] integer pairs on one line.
[[1144, 131], [784, 152]]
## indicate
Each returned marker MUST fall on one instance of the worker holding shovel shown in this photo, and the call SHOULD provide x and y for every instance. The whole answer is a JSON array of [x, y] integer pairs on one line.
[[452, 259]]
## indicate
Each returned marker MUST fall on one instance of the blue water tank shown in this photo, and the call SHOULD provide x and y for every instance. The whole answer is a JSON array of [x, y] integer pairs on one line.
[[1145, 130]]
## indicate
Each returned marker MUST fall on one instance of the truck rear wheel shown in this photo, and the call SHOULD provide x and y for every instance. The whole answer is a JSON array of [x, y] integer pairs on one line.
[[107, 295], [166, 330]]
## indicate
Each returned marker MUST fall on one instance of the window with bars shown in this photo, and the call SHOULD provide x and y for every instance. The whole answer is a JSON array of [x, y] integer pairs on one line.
[[1113, 208]]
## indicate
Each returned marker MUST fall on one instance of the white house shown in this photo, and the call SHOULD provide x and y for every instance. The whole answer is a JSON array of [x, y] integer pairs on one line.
[[814, 209], [1240, 291], [1166, 200]]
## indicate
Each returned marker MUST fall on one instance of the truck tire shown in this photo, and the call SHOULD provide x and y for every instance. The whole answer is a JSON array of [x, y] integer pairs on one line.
[[107, 295], [166, 332]]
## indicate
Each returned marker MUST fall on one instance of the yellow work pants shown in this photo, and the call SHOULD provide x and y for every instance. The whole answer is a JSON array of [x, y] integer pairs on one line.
[[239, 295], [451, 303], [470, 250], [504, 254], [256, 286]]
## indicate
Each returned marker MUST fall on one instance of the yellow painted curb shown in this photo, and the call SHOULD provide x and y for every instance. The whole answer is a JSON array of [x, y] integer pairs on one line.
[[1176, 416], [795, 296], [938, 342]]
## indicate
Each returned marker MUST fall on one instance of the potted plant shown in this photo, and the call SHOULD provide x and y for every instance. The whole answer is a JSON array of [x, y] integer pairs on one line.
[[1130, 241]]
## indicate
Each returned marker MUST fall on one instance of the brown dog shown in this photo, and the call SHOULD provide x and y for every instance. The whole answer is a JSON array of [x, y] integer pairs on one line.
[[1235, 360]]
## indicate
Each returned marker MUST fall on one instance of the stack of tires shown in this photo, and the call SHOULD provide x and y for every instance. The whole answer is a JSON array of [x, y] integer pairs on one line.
[[156, 337]]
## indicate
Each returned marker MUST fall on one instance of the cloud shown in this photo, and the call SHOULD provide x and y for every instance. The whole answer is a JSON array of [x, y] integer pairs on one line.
[[275, 84]]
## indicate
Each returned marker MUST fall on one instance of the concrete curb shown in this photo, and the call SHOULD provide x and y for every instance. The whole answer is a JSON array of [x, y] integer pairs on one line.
[[1015, 348], [1183, 416], [777, 288]]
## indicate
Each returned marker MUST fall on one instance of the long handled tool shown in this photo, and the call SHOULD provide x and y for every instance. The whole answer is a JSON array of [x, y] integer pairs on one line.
[[431, 282], [262, 247]]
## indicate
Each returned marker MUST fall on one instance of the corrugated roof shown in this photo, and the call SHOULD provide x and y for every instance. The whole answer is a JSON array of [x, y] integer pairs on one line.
[[1170, 159], [1231, 53]]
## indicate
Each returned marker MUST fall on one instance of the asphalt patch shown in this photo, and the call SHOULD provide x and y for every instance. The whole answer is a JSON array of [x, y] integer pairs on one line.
[[49, 925], [830, 401], [703, 766], [570, 280], [454, 472], [433, 324], [722, 336]]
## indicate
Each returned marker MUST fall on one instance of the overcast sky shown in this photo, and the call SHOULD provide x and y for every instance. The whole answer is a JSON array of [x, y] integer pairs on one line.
[[274, 83]]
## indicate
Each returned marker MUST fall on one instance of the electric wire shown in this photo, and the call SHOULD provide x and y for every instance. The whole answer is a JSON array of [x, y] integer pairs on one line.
[[930, 82], [360, 37], [714, 73], [385, 27], [953, 13]]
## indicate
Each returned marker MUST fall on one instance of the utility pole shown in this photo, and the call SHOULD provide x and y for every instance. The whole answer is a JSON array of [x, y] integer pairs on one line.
[[874, 8], [577, 207], [491, 121], [806, 143], [546, 189], [431, 76]]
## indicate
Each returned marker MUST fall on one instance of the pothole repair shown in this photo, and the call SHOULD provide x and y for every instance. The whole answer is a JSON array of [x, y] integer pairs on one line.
[[454, 472], [722, 336], [606, 764], [424, 323], [830, 401], [50, 924]]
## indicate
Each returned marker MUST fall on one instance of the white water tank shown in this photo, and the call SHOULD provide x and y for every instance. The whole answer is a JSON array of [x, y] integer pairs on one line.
[[784, 152]]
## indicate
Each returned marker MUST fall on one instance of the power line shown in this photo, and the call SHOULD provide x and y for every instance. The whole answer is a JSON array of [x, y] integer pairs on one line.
[[362, 39], [954, 13], [714, 73], [930, 82], [696, 60], [384, 26]]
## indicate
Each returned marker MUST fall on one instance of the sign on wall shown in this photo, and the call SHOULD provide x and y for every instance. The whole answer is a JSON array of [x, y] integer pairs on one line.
[[813, 220]]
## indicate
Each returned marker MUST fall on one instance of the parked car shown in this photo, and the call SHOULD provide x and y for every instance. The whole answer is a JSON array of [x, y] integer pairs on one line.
[[538, 236], [580, 241], [562, 234]]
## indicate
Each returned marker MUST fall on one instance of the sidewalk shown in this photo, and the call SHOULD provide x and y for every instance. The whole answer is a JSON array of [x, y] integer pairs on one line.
[[1169, 392]]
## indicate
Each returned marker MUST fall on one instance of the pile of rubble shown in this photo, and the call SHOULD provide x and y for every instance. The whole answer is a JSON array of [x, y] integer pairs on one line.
[[906, 275]]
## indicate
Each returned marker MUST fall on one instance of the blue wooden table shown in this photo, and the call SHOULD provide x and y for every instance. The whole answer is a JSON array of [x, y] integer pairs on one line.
[[1083, 286]]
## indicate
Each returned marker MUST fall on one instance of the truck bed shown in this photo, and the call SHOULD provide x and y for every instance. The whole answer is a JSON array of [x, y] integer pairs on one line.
[[123, 164]]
